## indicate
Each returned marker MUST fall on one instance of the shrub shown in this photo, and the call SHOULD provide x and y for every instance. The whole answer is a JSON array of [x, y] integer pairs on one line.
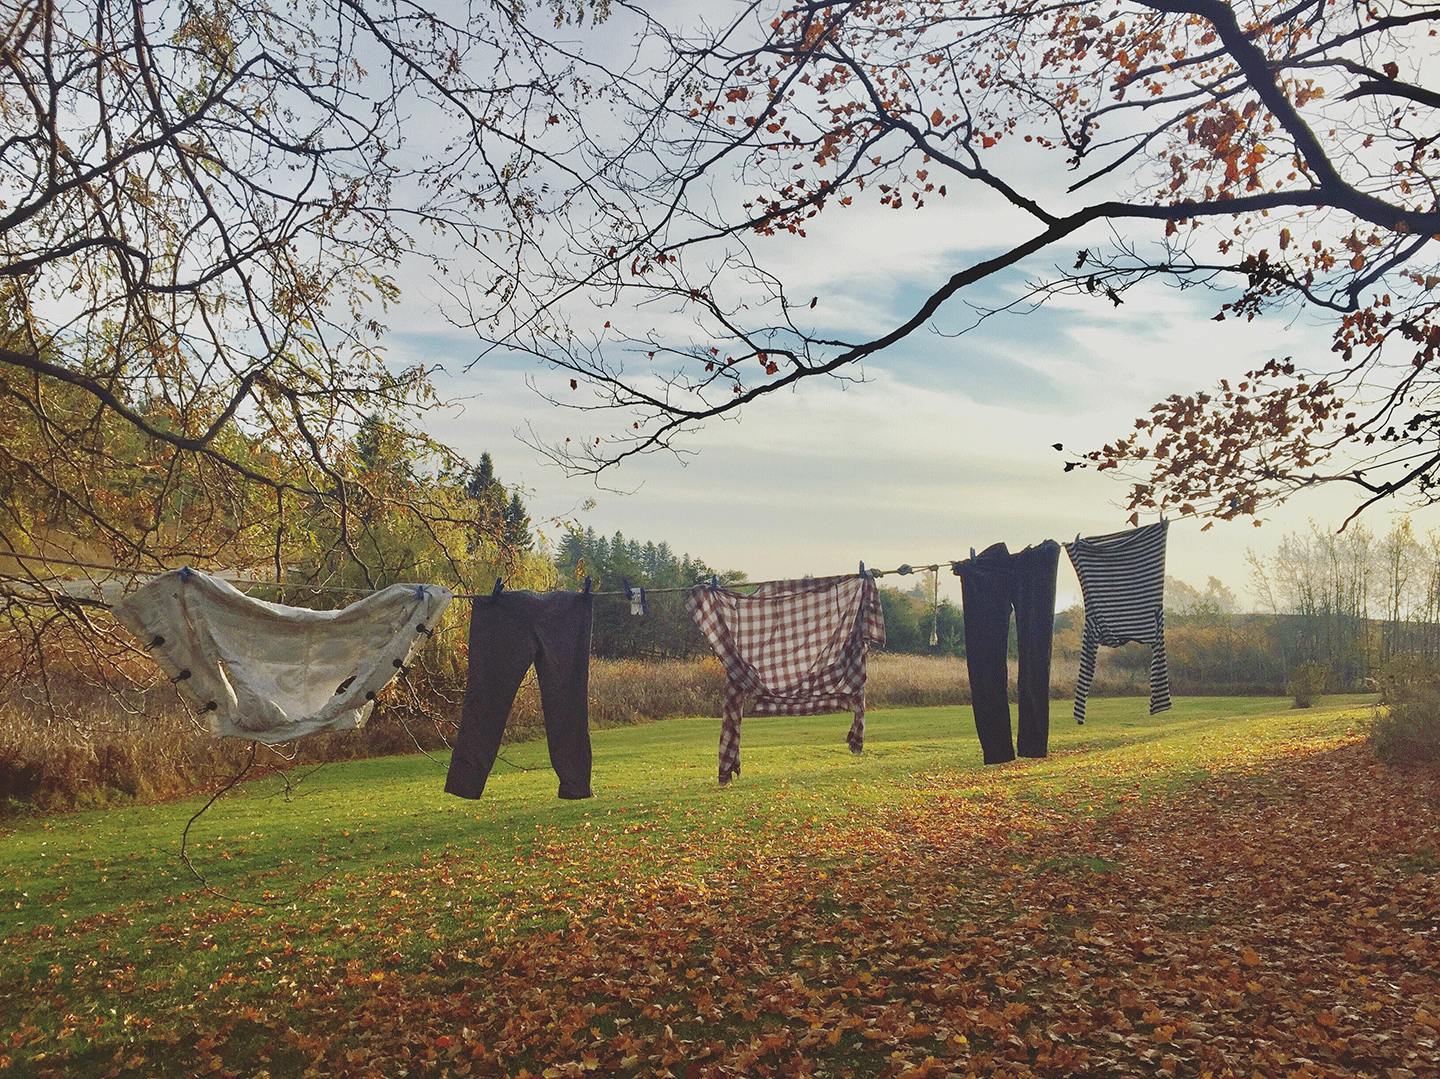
[[1307, 683], [1406, 727]]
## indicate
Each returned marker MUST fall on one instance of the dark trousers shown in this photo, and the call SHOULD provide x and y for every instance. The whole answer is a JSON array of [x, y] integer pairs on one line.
[[508, 632], [993, 584]]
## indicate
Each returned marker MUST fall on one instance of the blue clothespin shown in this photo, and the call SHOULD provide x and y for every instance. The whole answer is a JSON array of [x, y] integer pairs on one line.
[[420, 591], [972, 552], [588, 584], [499, 587], [714, 583], [186, 573], [905, 570], [862, 569]]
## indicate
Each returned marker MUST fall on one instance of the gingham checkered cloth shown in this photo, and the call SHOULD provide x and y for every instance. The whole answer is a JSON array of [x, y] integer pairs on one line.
[[793, 648]]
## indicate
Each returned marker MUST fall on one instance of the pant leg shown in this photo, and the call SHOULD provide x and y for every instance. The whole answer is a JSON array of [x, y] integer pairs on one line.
[[985, 595], [1033, 596], [563, 668], [502, 645]]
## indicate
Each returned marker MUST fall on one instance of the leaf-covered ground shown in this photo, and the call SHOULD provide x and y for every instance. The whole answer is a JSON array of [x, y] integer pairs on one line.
[[1232, 889]]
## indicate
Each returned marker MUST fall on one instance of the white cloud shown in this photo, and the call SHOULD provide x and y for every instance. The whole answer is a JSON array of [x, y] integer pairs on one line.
[[888, 471], [947, 446]]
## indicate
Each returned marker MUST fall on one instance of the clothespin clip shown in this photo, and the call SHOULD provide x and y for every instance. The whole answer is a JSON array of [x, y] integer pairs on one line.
[[636, 596], [972, 552], [862, 569], [714, 583], [905, 570], [420, 591], [588, 584], [499, 587], [186, 573]]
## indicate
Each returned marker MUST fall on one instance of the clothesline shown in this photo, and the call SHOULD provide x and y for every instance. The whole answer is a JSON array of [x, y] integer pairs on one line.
[[126, 571], [234, 657], [135, 571]]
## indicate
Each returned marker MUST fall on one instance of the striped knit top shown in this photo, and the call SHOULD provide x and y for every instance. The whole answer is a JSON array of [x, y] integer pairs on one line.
[[1122, 577]]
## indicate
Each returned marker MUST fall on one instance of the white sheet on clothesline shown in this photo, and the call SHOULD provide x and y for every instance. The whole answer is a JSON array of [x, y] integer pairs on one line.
[[271, 672]]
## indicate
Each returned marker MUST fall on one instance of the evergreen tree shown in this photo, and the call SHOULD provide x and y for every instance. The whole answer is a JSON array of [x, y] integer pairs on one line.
[[380, 449], [481, 479], [367, 442], [517, 526], [667, 629], [570, 554]]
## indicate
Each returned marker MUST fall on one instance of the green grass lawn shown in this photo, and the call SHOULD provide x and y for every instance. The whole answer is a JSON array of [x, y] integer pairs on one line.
[[107, 939]]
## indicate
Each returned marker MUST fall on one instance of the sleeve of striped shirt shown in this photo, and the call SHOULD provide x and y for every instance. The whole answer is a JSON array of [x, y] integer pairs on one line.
[[1159, 668], [1089, 646]]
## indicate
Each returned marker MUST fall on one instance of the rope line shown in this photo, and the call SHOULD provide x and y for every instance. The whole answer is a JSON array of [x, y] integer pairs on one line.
[[289, 786], [261, 582]]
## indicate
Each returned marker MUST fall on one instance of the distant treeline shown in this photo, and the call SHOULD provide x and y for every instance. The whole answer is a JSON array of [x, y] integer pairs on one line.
[[1351, 602], [666, 630]]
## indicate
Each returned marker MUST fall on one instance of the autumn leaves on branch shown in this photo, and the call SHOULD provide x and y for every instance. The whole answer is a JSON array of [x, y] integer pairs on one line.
[[206, 215], [1282, 152]]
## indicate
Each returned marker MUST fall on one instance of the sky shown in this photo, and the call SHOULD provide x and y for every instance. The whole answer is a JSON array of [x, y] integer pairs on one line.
[[946, 444]]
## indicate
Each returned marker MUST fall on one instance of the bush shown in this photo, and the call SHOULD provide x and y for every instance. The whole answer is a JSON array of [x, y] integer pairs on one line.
[[1406, 728], [1307, 683]]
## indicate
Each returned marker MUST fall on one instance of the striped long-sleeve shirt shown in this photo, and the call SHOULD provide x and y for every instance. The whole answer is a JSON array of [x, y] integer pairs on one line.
[[1122, 577]]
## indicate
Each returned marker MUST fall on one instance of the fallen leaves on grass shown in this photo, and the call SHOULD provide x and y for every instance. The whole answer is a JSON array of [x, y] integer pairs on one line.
[[1279, 918]]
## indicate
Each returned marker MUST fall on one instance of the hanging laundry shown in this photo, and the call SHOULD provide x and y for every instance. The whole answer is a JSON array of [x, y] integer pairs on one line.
[[992, 584], [793, 648], [639, 606], [508, 632], [269, 672], [1122, 577]]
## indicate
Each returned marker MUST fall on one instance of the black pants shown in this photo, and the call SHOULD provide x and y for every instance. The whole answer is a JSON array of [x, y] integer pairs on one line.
[[508, 632], [991, 585]]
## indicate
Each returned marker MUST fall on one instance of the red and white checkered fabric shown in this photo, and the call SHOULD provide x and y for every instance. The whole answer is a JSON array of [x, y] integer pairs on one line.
[[792, 648]]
